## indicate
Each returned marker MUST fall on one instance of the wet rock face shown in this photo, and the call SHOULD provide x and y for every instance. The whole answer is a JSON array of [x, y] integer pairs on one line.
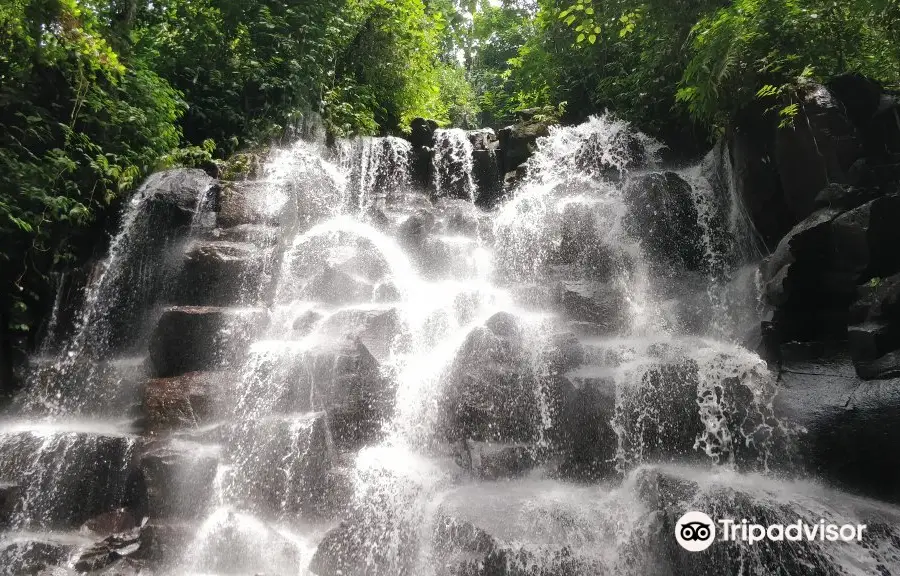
[[519, 141], [173, 195], [185, 401], [194, 338], [826, 281], [846, 424], [175, 480], [90, 472], [220, 273], [663, 216], [490, 391], [671, 494]]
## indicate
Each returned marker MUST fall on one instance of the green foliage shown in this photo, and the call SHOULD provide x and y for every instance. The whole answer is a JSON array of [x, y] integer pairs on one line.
[[654, 60], [78, 129], [740, 52], [95, 95]]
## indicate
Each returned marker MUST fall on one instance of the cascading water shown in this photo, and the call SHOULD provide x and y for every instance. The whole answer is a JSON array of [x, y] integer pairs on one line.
[[358, 377], [453, 165]]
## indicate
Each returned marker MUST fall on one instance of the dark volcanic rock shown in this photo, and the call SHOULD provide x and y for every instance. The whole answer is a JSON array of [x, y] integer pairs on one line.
[[519, 141], [173, 195], [846, 423], [109, 551], [113, 522], [818, 149], [673, 492], [175, 479], [422, 132], [662, 214], [603, 306], [333, 286], [866, 238], [593, 155], [377, 328], [220, 273], [339, 377], [487, 177], [490, 391], [90, 472], [194, 338], [19, 558], [354, 547], [184, 401]]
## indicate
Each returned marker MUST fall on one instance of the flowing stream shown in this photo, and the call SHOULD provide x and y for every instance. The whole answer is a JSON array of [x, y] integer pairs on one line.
[[367, 378]]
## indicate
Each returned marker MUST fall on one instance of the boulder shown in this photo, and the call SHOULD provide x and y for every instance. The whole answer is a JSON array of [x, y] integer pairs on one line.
[[174, 196], [669, 493], [582, 251], [175, 480], [663, 216], [844, 197], [376, 328], [10, 495], [26, 557], [337, 288], [354, 547], [871, 109], [603, 156], [487, 177], [842, 424], [306, 322], [240, 203], [422, 166], [283, 465], [483, 139], [221, 273], [422, 132], [109, 523], [184, 401], [518, 142], [865, 238], [808, 283], [750, 146], [489, 392], [90, 473], [110, 550], [339, 377], [817, 149], [197, 338], [161, 542], [582, 432], [603, 306], [489, 461]]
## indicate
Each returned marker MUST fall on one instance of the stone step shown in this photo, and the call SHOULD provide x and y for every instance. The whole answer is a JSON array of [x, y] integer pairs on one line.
[[338, 377], [285, 464], [61, 473], [176, 479], [188, 401], [245, 203], [35, 553], [222, 273], [196, 338]]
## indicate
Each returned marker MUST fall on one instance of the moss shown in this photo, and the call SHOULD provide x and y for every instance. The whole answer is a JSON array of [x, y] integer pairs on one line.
[[243, 166]]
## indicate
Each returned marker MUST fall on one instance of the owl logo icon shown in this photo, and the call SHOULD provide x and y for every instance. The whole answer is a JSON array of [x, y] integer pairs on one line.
[[695, 531]]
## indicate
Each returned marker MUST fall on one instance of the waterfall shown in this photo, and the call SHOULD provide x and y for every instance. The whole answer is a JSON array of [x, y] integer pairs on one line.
[[347, 374], [453, 164]]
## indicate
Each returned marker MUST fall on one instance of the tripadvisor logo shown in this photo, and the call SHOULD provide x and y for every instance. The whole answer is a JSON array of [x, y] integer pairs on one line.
[[695, 531]]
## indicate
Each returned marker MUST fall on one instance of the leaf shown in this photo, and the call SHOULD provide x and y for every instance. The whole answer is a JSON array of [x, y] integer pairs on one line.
[[592, 38], [580, 38]]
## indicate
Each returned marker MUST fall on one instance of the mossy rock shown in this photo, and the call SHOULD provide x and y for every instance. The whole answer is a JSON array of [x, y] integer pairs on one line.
[[243, 166]]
